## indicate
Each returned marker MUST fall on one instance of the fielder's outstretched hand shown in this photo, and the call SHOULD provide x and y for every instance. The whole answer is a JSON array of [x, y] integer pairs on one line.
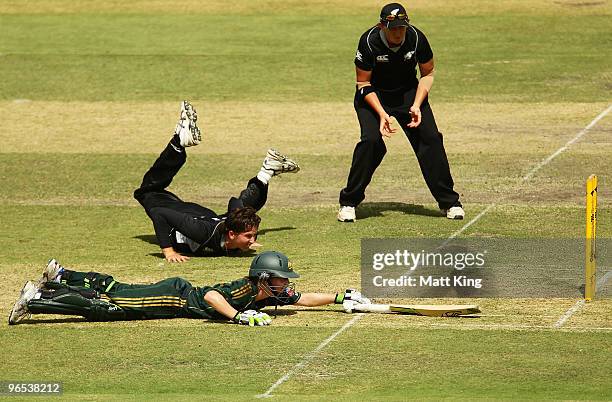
[[415, 117], [385, 126], [172, 256], [252, 318]]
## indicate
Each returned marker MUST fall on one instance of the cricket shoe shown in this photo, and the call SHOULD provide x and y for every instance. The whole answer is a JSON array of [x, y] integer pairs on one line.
[[20, 309], [186, 129], [277, 163], [51, 272], [346, 214], [454, 213]]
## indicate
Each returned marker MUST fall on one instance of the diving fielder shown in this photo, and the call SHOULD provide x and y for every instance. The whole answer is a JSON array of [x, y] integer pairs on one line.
[[99, 297], [186, 227]]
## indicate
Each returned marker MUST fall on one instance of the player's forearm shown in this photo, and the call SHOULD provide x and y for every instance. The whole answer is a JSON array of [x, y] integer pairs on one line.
[[315, 299], [425, 84], [218, 302], [374, 102]]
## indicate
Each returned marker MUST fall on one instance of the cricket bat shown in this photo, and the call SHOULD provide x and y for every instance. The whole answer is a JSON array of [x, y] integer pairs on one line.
[[419, 309]]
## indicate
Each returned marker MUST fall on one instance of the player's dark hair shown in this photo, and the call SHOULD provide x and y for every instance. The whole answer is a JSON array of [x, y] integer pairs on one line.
[[242, 220]]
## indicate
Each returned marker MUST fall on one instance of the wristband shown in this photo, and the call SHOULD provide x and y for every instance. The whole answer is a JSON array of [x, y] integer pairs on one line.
[[339, 298], [365, 91]]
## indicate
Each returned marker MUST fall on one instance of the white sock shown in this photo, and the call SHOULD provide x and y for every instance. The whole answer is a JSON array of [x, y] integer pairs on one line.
[[265, 175]]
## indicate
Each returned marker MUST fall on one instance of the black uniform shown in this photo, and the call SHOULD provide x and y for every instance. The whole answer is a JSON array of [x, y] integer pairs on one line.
[[395, 81], [187, 226], [98, 297]]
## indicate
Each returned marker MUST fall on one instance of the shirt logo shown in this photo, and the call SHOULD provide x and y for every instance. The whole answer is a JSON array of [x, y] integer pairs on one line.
[[408, 56], [383, 58], [358, 56]]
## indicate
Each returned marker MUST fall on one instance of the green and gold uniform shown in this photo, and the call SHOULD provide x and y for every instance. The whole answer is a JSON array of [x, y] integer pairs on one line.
[[98, 297]]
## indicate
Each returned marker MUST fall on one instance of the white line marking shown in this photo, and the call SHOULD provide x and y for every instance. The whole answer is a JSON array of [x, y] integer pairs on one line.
[[576, 307], [580, 303], [309, 356], [473, 221], [567, 145], [537, 168], [349, 324]]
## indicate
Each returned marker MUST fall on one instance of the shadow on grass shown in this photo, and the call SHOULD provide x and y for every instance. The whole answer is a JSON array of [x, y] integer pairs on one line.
[[372, 209], [52, 320], [290, 311], [263, 232], [150, 238], [233, 254]]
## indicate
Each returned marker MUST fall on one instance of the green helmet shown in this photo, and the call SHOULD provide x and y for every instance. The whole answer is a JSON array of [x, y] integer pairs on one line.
[[272, 264]]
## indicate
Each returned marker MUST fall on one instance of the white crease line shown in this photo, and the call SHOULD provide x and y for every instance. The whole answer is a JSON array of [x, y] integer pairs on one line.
[[580, 303], [538, 167], [349, 324], [511, 327], [470, 223], [576, 307], [568, 144], [309, 357]]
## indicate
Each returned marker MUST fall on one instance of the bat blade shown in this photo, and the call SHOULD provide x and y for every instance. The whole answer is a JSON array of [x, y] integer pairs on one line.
[[435, 310], [420, 309]]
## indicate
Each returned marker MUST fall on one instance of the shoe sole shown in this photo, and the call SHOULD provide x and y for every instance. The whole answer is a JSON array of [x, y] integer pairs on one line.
[[47, 273], [192, 117], [287, 165], [11, 320]]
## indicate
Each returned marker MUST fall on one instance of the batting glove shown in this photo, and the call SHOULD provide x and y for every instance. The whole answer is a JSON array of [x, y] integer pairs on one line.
[[348, 306], [353, 295], [252, 318]]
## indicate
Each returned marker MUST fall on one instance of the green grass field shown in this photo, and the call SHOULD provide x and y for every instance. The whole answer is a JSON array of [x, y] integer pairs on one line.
[[90, 94]]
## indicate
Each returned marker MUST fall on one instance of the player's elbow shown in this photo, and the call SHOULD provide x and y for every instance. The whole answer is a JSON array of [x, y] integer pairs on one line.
[[212, 297], [429, 74]]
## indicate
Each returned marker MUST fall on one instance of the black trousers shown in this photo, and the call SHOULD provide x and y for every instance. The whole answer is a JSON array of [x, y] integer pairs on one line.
[[152, 192], [425, 139]]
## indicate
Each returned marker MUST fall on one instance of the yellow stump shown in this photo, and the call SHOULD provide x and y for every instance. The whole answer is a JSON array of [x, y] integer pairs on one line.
[[591, 225]]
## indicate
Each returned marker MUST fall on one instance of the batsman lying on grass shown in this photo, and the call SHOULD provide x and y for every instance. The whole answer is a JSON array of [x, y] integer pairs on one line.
[[99, 297], [186, 227]]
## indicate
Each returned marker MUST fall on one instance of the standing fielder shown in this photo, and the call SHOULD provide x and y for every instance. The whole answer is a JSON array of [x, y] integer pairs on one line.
[[386, 61], [186, 227], [98, 297]]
